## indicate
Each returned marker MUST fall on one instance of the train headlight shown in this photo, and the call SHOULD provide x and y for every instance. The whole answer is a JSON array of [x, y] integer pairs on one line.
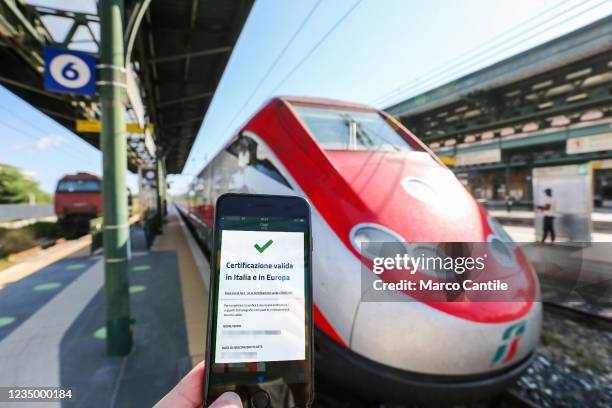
[[503, 252], [374, 233], [501, 244], [500, 232]]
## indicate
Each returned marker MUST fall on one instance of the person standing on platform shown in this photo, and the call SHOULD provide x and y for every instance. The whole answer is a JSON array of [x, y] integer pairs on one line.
[[548, 210]]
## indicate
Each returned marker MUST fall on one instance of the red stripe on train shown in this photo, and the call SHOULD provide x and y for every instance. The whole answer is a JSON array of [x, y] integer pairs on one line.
[[326, 327]]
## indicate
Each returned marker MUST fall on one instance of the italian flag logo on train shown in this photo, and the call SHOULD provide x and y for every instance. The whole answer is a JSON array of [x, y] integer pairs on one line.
[[510, 341]]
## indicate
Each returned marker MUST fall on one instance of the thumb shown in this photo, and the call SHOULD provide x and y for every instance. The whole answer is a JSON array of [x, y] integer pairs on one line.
[[227, 400]]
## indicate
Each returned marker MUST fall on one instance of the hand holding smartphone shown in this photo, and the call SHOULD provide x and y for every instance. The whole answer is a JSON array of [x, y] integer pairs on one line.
[[260, 330]]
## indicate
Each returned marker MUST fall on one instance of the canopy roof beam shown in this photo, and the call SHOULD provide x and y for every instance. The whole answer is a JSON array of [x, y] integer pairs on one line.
[[201, 53], [184, 99]]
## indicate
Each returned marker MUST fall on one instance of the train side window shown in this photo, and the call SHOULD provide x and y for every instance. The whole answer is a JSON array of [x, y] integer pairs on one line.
[[267, 168], [247, 149], [234, 147]]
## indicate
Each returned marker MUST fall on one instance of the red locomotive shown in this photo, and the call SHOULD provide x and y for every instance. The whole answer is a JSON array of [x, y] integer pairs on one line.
[[78, 199]]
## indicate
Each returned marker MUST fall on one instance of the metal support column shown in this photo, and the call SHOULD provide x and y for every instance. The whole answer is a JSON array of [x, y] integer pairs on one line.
[[114, 156], [161, 180], [508, 179], [508, 200], [165, 188], [530, 182]]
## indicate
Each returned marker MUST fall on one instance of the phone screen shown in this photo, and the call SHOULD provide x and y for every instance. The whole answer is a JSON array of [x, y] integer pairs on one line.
[[260, 335]]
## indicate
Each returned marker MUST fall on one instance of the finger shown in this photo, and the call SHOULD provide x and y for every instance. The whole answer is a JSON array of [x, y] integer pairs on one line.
[[227, 400], [191, 384], [187, 393]]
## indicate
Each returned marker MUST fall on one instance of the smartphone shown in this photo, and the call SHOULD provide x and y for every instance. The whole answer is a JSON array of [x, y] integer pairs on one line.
[[260, 329]]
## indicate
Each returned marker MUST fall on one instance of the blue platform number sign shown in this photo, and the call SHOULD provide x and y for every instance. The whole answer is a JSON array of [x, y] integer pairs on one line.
[[70, 71]]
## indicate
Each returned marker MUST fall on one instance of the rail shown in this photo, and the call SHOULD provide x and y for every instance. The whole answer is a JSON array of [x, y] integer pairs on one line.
[[582, 316]]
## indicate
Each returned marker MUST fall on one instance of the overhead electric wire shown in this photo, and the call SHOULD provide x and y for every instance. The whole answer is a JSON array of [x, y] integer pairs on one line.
[[23, 120], [303, 59], [471, 67], [448, 73], [451, 65], [275, 63], [272, 66], [57, 147], [474, 65], [436, 75], [314, 48], [476, 49]]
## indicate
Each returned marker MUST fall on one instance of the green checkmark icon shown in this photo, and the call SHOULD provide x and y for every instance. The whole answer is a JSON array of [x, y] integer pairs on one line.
[[263, 247]]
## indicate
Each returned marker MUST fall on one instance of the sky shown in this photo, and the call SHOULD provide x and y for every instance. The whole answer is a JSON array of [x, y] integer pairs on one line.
[[376, 52]]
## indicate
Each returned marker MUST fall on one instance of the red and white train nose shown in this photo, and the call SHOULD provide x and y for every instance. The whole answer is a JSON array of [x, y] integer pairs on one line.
[[369, 179]]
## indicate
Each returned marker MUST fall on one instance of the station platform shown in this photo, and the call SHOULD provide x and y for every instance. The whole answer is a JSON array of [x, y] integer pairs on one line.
[[602, 221], [52, 324], [524, 233]]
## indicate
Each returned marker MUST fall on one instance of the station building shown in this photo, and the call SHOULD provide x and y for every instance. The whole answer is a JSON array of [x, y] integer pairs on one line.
[[548, 106]]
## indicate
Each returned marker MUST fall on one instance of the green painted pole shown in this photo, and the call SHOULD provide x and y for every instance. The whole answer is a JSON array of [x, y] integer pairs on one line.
[[160, 194], [164, 188], [114, 157]]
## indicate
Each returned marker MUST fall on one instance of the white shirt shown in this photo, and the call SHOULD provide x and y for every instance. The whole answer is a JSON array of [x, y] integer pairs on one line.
[[551, 210]]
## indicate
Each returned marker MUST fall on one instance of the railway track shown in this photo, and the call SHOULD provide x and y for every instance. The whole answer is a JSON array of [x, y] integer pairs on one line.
[[581, 316]]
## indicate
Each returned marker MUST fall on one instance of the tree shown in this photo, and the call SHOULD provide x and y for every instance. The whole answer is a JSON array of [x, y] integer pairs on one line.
[[16, 187]]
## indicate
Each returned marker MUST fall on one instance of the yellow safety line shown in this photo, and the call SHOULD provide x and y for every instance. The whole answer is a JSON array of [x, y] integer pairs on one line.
[[134, 219], [193, 291]]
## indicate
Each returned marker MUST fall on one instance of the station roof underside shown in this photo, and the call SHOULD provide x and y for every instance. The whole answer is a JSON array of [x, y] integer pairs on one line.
[[183, 49], [179, 55]]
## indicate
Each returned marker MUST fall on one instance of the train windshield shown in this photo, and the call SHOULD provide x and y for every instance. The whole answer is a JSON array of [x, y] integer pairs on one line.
[[344, 129], [78, 186]]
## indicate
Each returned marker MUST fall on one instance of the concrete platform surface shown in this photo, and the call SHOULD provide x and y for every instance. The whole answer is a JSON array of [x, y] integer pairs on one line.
[[597, 216], [520, 233], [52, 327]]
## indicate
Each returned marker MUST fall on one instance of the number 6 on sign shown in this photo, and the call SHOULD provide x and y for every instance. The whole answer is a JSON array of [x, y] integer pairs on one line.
[[70, 71]]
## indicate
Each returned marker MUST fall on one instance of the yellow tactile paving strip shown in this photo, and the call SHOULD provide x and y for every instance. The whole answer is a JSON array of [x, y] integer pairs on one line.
[[194, 292]]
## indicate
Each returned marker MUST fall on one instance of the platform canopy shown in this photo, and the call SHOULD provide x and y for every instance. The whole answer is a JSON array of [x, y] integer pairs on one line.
[[561, 81], [179, 50]]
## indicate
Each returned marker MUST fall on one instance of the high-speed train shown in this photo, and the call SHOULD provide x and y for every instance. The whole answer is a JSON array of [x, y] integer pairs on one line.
[[369, 178]]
